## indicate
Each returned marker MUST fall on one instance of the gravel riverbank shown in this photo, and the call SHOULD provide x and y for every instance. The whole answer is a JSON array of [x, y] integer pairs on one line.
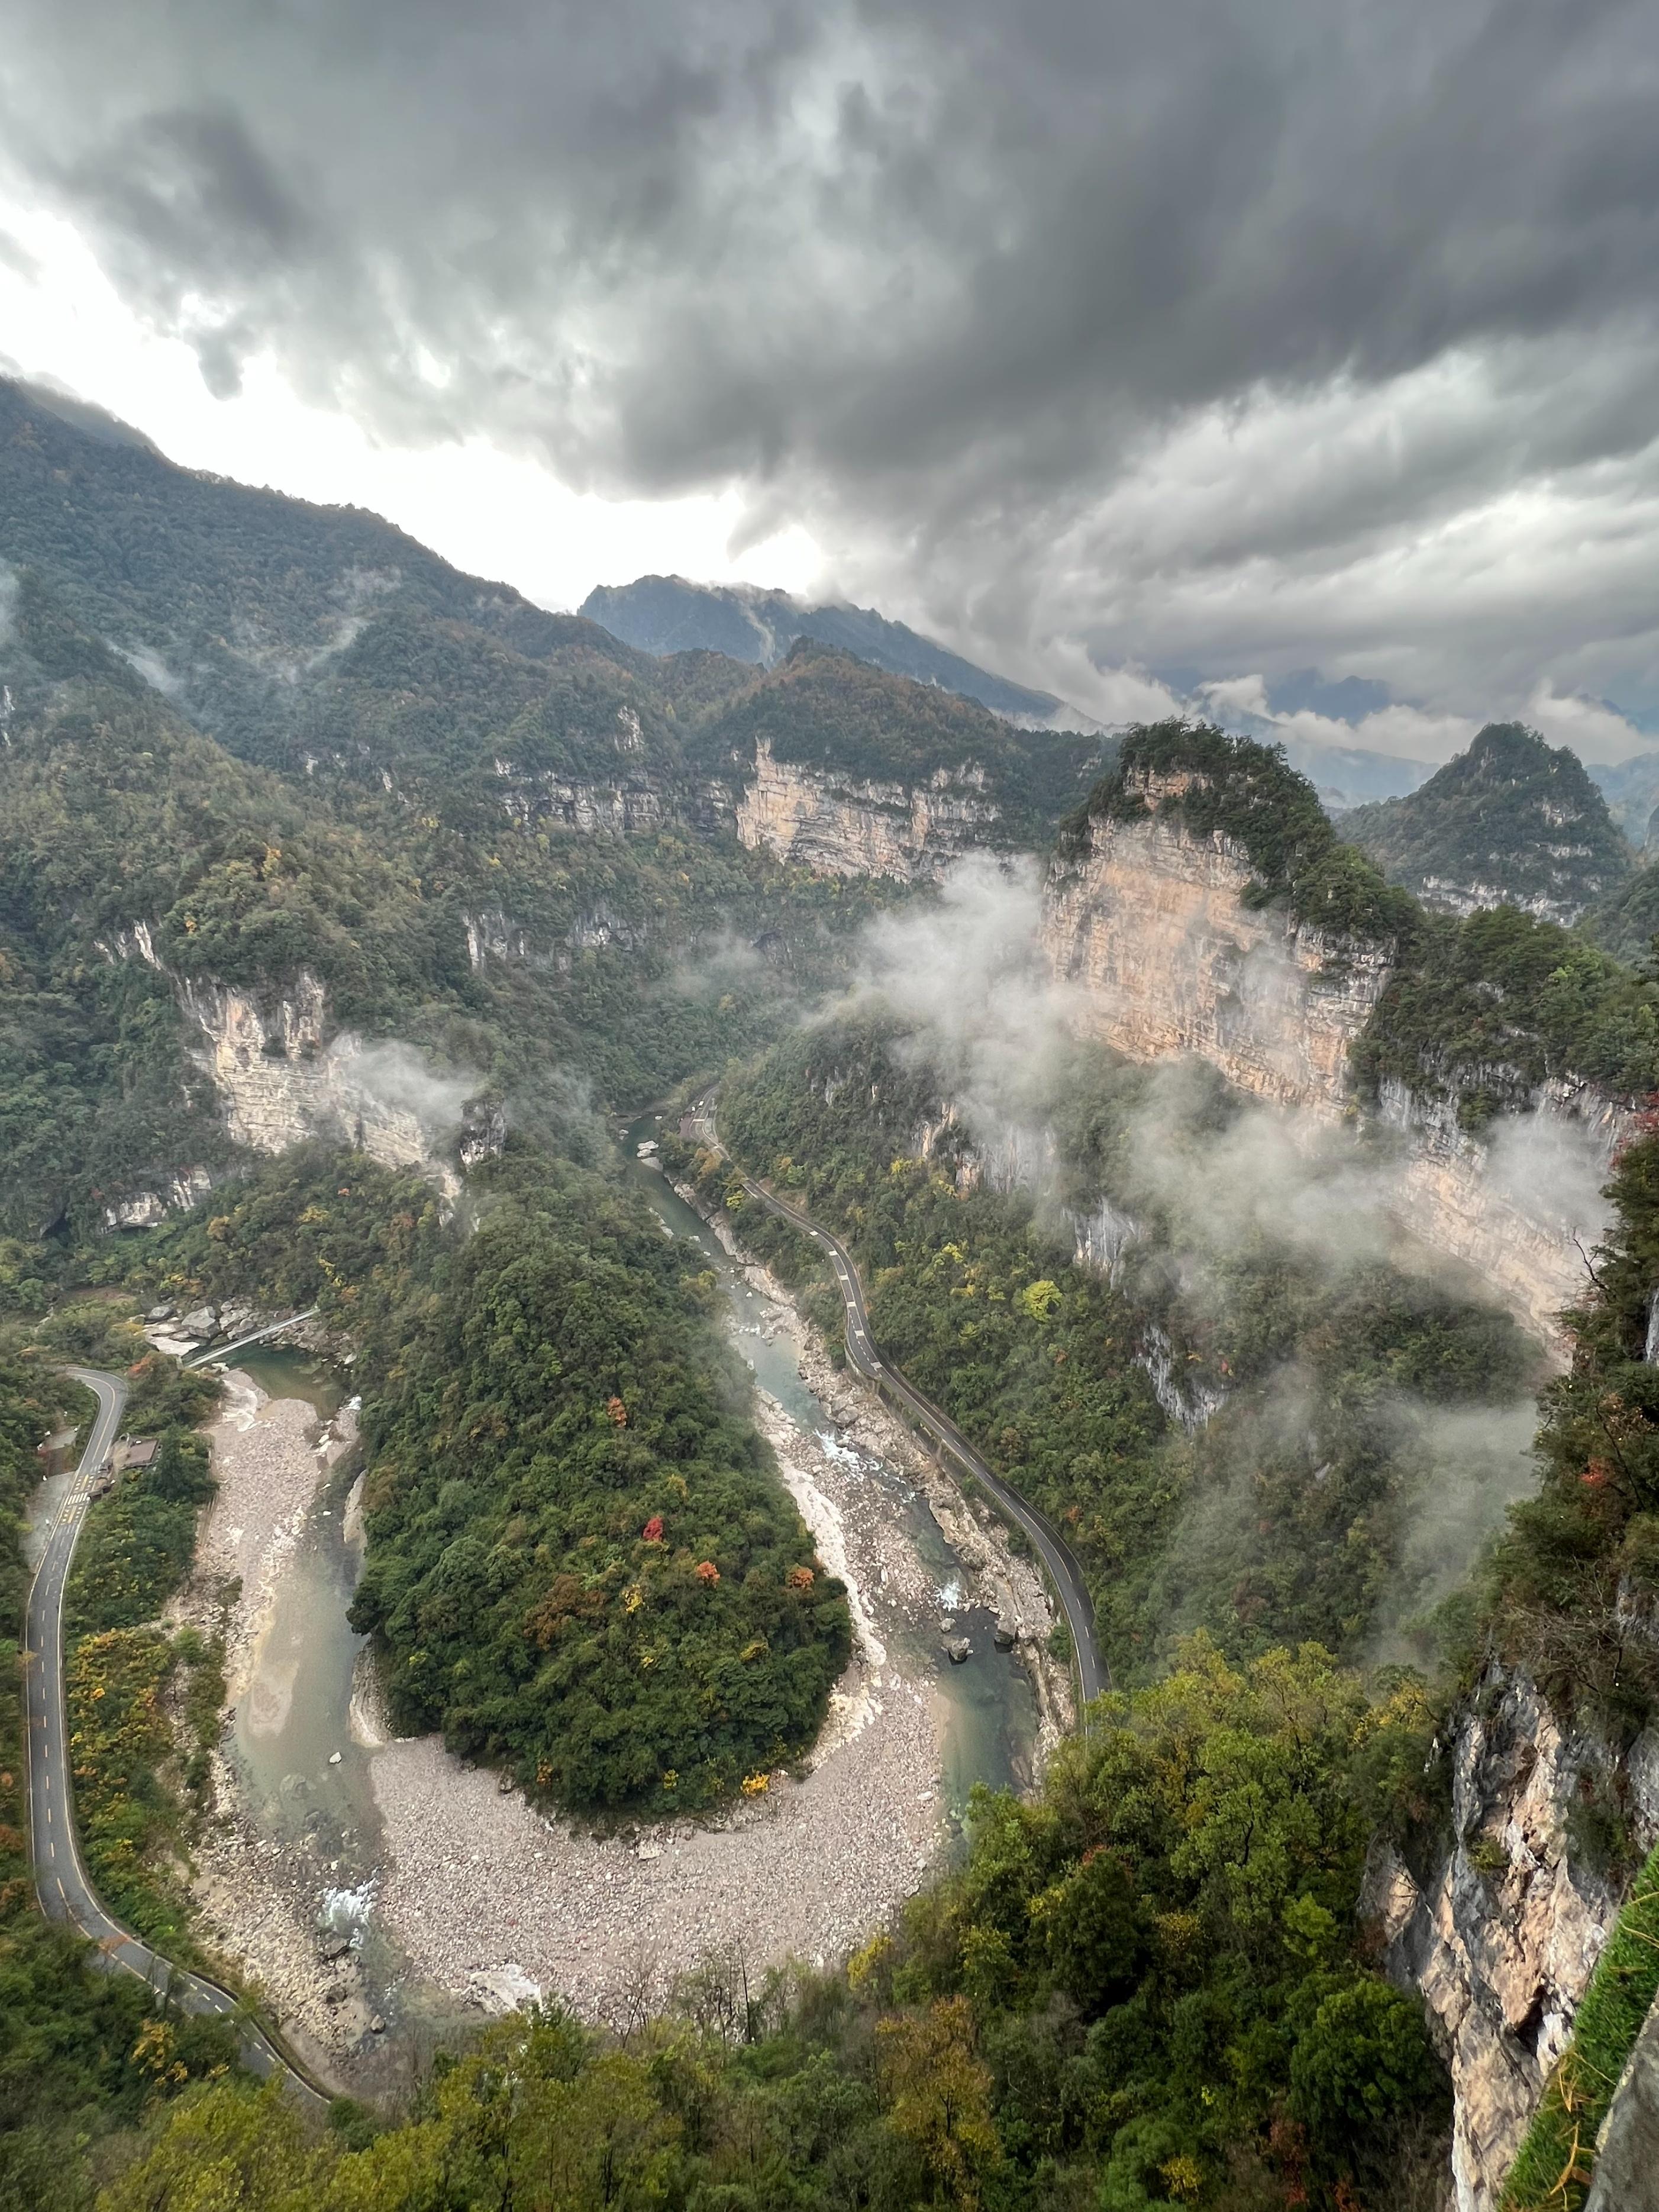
[[259, 1900], [1012, 1587], [495, 1902], [485, 1899]]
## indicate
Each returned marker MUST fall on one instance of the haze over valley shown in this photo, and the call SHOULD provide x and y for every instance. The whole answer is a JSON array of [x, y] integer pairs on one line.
[[828, 1044]]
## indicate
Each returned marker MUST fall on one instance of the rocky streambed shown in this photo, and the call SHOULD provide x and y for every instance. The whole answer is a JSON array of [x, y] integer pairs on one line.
[[381, 1891]]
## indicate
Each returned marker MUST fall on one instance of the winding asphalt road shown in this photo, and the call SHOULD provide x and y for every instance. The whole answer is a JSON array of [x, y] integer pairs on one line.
[[66, 1895], [1050, 1545]]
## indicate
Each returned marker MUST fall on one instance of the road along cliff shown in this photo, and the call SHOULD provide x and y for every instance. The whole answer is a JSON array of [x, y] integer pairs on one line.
[[66, 1894]]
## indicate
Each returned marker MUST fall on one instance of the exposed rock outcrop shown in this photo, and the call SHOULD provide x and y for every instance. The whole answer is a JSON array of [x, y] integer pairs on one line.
[[1520, 1207], [144, 1209], [1151, 930], [840, 826], [283, 1079], [1501, 1934]]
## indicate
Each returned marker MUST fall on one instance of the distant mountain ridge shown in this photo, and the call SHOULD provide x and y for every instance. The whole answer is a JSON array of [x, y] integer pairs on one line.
[[668, 614], [1511, 821]]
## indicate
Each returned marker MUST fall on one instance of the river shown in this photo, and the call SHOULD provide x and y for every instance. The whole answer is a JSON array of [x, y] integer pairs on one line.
[[989, 1711], [305, 1780]]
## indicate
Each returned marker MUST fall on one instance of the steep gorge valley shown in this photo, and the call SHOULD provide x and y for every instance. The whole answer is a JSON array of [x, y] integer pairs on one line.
[[1229, 1199]]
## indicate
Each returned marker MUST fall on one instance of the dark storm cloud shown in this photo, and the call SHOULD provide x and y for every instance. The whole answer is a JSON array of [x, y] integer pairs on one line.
[[1193, 329]]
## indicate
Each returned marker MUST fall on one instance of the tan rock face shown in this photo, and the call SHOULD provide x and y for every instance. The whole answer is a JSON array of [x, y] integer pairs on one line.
[[1151, 932], [840, 827], [1514, 1226], [1502, 1935], [283, 1082]]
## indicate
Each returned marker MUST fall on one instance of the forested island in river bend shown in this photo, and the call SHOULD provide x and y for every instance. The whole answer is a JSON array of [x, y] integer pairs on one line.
[[317, 988]]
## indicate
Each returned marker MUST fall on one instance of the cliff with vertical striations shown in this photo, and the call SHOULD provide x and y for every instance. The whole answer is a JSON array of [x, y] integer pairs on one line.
[[1164, 947], [840, 825]]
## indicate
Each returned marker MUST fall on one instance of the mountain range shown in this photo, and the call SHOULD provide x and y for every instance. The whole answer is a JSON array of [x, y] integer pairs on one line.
[[667, 614], [1512, 821], [338, 887]]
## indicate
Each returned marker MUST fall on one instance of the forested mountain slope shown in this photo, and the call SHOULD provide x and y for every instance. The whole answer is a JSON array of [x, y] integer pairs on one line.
[[251, 809], [1511, 822], [667, 614], [1234, 1425], [292, 631], [519, 954]]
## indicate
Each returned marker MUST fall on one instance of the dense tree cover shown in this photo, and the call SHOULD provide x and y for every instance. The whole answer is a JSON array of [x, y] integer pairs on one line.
[[122, 1671], [309, 1227], [1626, 924], [581, 1560], [1491, 1007], [1511, 821], [1218, 785], [231, 592], [1141, 1989], [823, 709], [1481, 1011], [1281, 1516], [137, 1544], [115, 812]]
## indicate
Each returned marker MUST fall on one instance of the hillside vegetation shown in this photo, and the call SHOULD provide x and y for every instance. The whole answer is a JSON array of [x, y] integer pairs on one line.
[[581, 1562], [1283, 1516], [1511, 821], [667, 614], [115, 810], [822, 709], [1143, 1989], [81, 2058]]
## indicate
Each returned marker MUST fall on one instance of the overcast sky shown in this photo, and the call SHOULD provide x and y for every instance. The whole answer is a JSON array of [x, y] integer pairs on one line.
[[1131, 348]]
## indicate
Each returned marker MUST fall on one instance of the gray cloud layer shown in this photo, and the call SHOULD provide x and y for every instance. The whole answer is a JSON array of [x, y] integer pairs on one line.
[[1243, 337]]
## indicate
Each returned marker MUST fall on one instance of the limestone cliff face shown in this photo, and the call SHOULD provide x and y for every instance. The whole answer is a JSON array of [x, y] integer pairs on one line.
[[1149, 931], [839, 826], [144, 1209], [283, 1078], [284, 1081], [1501, 1933], [1517, 1206]]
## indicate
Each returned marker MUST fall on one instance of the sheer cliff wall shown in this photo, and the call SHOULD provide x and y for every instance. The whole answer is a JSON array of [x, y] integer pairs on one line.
[[284, 1075], [840, 825], [1151, 930]]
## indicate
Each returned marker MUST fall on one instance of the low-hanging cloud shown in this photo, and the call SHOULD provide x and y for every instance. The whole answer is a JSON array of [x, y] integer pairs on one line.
[[967, 969], [1205, 1178], [1086, 334], [397, 1077]]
